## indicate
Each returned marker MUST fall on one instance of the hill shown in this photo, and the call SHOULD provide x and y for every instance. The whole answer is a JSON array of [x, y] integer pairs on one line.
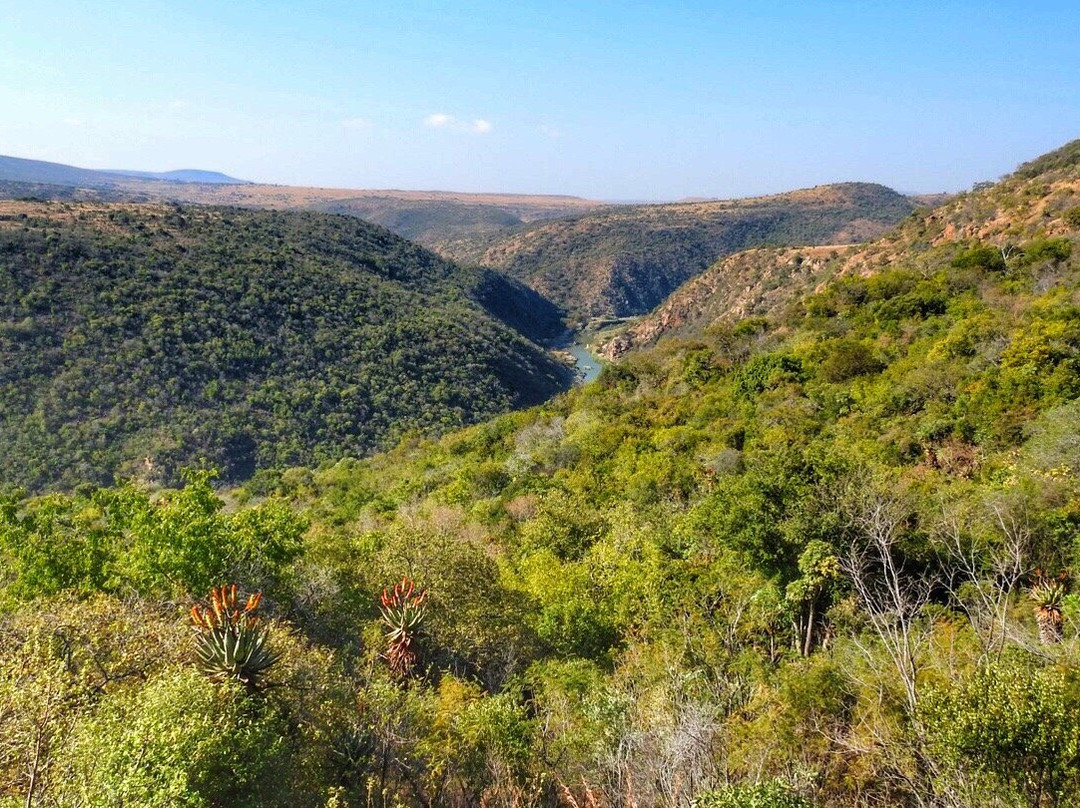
[[750, 283], [763, 281], [17, 169], [137, 339], [625, 260]]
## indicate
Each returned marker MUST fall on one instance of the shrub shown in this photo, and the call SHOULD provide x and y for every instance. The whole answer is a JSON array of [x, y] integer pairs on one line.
[[848, 359], [770, 794], [767, 371], [402, 613], [1051, 250], [980, 256], [174, 742], [1011, 723], [229, 641]]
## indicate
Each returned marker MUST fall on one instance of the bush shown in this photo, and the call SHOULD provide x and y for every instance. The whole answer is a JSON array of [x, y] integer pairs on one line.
[[124, 539], [771, 794], [1012, 723], [980, 256], [1051, 250], [175, 742], [848, 359], [767, 371]]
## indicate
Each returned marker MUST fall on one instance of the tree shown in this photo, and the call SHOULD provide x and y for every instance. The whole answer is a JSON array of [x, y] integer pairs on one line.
[[819, 569], [891, 593]]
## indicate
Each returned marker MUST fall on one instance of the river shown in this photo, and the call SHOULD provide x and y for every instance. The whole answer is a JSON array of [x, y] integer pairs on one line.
[[587, 364]]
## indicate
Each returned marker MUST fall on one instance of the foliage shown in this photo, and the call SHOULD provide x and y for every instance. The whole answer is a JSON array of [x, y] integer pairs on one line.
[[125, 539], [1012, 724], [625, 261], [795, 551], [173, 742], [980, 256], [1048, 595]]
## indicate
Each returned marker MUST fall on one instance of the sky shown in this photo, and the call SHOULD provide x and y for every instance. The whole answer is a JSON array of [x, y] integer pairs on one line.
[[608, 100]]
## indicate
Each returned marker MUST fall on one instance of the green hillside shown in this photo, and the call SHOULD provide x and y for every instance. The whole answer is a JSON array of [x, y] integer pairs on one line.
[[135, 340], [626, 260], [819, 557]]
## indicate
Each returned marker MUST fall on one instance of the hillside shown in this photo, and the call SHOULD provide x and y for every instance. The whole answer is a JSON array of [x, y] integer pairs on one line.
[[137, 339], [820, 558], [750, 283], [624, 261], [1033, 200], [17, 169], [590, 258]]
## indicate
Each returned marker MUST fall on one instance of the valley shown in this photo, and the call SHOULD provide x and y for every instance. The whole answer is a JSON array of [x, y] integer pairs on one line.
[[803, 539]]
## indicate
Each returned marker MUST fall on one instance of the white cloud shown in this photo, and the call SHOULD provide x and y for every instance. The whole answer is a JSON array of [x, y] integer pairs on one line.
[[356, 124], [440, 120], [73, 121], [551, 131], [177, 103]]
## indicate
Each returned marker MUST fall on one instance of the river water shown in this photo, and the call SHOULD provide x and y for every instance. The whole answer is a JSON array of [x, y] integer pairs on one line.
[[588, 366]]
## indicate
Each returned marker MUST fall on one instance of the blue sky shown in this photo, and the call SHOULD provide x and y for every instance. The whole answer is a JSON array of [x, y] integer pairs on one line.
[[610, 100]]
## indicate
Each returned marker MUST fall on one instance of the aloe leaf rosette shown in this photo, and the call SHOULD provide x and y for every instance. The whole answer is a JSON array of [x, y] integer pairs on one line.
[[230, 640], [403, 609]]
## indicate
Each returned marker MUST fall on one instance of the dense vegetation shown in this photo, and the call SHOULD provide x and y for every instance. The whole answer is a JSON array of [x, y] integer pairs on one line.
[[136, 340], [624, 261], [815, 558]]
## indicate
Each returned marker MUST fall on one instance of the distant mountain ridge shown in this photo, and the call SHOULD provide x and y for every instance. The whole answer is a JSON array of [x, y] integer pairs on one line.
[[181, 175], [426, 217], [18, 169]]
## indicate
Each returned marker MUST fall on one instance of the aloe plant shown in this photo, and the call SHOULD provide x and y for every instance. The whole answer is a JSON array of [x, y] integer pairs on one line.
[[230, 642], [1048, 594], [403, 611]]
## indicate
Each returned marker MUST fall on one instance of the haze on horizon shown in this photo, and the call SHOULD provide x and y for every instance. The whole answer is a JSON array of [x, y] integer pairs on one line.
[[610, 101]]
